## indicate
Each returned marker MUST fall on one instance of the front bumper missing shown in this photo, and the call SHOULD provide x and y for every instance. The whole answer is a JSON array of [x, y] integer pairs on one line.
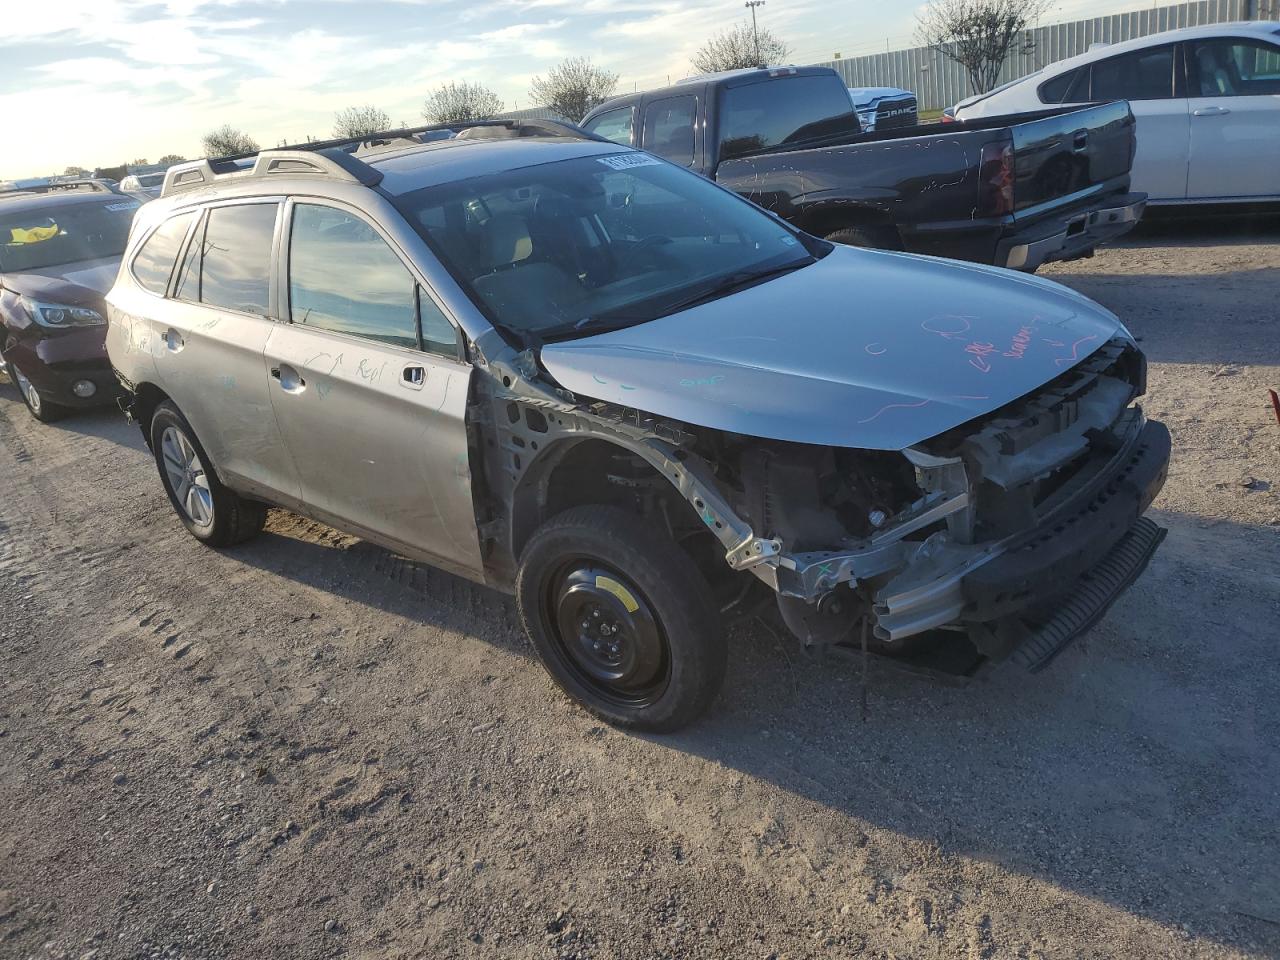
[[962, 583]]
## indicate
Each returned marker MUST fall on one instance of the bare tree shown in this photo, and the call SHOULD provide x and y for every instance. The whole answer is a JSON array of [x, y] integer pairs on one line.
[[455, 102], [736, 49], [169, 159], [360, 121], [977, 34], [573, 88], [227, 141], [74, 171]]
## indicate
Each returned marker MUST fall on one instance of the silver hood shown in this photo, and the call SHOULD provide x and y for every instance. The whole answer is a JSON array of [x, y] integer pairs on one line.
[[862, 349]]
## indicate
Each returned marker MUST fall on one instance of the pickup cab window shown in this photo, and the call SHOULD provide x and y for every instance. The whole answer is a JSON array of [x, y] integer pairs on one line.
[[778, 111], [614, 125], [669, 128]]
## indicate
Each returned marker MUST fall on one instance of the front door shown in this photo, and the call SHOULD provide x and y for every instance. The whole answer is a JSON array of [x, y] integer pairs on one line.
[[1235, 119], [370, 392]]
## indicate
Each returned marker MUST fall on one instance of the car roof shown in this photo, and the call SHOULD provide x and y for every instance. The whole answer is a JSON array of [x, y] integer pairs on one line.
[[446, 161], [1248, 28]]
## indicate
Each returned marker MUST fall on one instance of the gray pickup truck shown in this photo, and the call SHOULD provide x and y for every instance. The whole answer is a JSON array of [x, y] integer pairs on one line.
[[1013, 193]]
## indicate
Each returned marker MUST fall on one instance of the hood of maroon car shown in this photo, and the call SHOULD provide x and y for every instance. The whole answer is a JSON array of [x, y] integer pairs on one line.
[[75, 284]]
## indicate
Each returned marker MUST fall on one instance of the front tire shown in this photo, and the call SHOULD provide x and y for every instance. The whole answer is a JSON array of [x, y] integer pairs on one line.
[[622, 620], [210, 512], [39, 407]]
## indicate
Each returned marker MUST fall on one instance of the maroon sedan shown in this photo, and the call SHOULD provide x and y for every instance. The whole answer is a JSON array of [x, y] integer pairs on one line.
[[59, 253]]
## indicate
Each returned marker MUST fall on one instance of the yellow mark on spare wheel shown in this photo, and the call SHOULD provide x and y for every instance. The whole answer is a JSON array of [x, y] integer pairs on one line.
[[619, 591]]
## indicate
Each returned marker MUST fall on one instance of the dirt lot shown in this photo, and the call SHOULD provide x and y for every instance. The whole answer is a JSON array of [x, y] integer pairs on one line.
[[310, 748]]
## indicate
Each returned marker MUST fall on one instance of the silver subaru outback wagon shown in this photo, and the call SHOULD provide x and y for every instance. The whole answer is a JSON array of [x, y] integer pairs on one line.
[[638, 402]]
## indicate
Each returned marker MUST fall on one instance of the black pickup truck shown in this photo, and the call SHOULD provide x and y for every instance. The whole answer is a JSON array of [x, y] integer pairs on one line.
[[1012, 191]]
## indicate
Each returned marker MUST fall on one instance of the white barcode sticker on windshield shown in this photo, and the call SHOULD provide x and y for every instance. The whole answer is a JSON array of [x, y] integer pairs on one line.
[[625, 161], [127, 205]]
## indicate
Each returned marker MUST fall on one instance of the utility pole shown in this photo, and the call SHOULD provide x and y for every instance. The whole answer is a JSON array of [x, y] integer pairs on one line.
[[755, 31]]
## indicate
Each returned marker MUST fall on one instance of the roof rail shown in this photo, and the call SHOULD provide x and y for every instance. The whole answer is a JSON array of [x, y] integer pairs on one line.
[[339, 158], [57, 186]]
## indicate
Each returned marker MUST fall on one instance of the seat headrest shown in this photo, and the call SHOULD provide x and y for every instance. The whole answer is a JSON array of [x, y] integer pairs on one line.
[[508, 238]]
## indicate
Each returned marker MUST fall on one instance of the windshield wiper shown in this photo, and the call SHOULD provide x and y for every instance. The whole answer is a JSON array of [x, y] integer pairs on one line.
[[732, 283]]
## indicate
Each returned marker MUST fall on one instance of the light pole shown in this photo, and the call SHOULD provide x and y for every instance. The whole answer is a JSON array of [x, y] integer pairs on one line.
[[755, 32]]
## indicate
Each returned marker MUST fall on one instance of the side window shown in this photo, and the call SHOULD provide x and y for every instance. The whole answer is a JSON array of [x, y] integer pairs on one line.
[[154, 263], [668, 128], [1235, 68], [438, 334], [1070, 87], [1143, 75], [234, 258], [614, 125], [343, 277]]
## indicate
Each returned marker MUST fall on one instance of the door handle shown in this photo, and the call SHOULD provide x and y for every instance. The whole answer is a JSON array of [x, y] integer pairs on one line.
[[288, 377], [1210, 112], [413, 376]]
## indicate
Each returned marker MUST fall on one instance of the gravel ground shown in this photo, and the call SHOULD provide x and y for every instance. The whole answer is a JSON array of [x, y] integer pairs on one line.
[[308, 747]]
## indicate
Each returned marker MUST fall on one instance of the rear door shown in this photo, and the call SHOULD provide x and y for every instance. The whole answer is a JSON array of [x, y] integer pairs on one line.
[[370, 390], [1235, 118], [1152, 80], [211, 335]]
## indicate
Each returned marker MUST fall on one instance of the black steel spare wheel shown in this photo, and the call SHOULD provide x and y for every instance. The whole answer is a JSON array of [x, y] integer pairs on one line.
[[622, 618], [606, 631]]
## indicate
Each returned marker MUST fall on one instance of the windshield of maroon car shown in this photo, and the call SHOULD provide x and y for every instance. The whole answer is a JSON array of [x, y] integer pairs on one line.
[[35, 238], [620, 237]]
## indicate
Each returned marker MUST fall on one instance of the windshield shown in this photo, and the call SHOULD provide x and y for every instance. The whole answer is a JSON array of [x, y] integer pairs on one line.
[[34, 238], [565, 248]]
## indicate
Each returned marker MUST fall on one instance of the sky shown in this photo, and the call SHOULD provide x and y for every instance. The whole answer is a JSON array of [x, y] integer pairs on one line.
[[105, 82]]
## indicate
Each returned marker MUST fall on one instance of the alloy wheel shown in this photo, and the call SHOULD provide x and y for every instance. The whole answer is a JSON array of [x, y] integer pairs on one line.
[[187, 477]]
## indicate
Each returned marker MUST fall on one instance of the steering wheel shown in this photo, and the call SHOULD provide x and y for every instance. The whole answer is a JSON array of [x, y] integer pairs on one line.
[[641, 246]]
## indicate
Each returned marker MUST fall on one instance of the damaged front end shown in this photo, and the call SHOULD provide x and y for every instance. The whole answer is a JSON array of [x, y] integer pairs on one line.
[[1014, 531], [1020, 529]]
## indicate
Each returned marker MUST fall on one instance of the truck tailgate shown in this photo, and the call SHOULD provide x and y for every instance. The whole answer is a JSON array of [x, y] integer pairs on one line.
[[1062, 160]]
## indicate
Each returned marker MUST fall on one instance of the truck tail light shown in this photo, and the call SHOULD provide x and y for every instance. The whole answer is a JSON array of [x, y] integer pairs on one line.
[[995, 180]]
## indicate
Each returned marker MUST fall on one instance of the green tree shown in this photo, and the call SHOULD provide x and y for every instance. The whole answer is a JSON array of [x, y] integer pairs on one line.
[[737, 49], [360, 121], [455, 102], [573, 88], [227, 141]]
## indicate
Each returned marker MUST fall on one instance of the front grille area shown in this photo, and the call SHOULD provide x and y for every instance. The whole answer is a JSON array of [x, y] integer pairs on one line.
[[892, 114]]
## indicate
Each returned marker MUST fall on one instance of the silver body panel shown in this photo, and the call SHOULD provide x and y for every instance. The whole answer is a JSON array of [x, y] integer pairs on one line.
[[862, 349]]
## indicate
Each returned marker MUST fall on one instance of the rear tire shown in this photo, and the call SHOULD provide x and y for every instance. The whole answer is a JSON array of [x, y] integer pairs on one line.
[[878, 238], [36, 404], [623, 620], [211, 513]]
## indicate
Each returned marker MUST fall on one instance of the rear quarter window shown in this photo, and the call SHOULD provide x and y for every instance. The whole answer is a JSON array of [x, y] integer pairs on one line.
[[153, 264], [234, 260]]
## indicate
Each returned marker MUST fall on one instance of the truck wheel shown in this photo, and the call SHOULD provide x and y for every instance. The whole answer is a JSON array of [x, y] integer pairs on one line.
[[210, 512], [622, 619], [877, 238], [40, 408]]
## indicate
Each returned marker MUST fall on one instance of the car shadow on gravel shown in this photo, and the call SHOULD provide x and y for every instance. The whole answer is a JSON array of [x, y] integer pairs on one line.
[[1198, 227], [1139, 769]]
